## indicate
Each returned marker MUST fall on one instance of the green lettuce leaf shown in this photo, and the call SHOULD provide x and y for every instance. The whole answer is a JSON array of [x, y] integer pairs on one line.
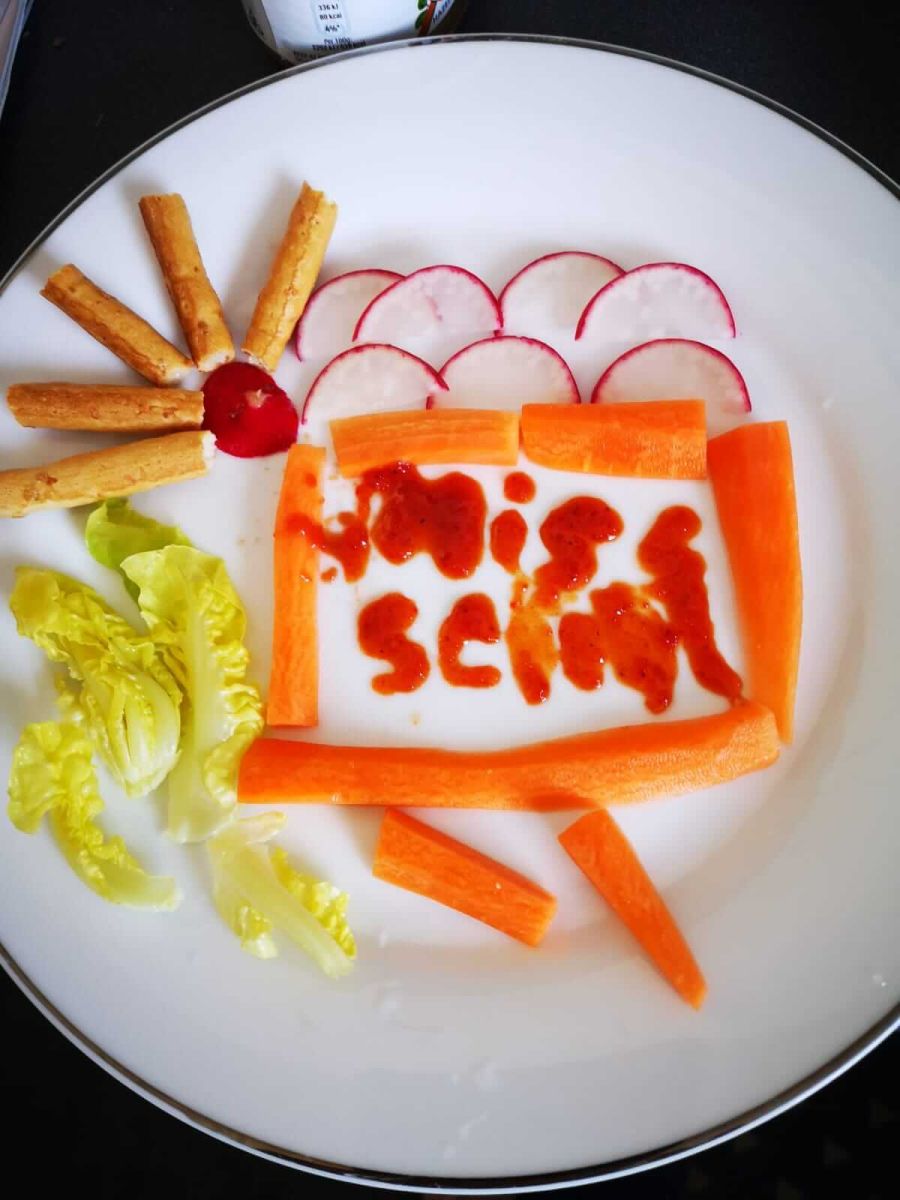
[[257, 890], [115, 530], [52, 773], [198, 624], [119, 687]]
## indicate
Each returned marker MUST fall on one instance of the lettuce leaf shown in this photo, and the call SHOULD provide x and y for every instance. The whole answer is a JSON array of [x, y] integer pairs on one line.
[[119, 687], [256, 890], [115, 530], [52, 773], [198, 624]]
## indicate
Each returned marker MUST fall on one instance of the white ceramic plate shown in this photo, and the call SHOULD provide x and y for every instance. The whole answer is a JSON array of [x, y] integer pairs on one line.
[[452, 1055]]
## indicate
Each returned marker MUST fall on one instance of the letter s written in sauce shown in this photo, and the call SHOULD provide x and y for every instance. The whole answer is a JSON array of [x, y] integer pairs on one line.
[[382, 627]]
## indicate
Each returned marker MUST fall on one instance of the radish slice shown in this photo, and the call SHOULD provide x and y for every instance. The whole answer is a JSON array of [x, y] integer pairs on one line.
[[655, 301], [334, 309], [247, 411], [552, 291], [674, 369], [372, 378], [428, 301], [506, 372]]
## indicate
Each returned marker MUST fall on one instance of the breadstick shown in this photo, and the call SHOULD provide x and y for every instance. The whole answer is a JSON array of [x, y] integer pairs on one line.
[[106, 408], [292, 277], [200, 315], [117, 327], [117, 471]]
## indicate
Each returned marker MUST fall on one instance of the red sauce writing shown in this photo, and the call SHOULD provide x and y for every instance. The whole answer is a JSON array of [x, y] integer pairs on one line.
[[330, 575], [532, 651], [519, 488], [443, 517], [349, 544], [581, 650], [382, 627], [472, 619], [571, 534], [508, 534], [679, 585], [626, 632]]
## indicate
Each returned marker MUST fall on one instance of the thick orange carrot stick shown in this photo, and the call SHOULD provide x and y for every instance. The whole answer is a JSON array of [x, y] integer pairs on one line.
[[598, 846], [424, 860], [294, 681], [614, 766], [656, 439], [428, 436], [752, 474]]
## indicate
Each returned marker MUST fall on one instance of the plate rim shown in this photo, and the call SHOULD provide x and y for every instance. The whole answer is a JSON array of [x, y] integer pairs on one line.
[[399, 1181]]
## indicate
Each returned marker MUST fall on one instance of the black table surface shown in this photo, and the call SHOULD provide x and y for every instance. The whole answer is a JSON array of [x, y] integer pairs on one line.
[[95, 79]]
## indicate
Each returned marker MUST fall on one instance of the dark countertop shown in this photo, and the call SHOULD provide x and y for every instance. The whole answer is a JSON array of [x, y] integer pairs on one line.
[[95, 79]]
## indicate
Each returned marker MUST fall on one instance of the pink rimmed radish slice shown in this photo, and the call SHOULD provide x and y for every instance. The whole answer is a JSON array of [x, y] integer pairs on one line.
[[656, 301], [334, 309], [676, 369], [552, 291], [441, 299], [506, 372], [371, 378]]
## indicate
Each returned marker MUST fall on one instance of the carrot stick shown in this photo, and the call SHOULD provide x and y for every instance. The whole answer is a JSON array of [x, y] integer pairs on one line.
[[597, 845], [656, 439], [421, 859], [429, 436], [614, 766], [294, 680], [752, 475]]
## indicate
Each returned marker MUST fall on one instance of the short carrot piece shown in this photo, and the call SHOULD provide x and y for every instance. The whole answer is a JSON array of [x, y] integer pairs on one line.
[[752, 474], [294, 679], [597, 845], [613, 766], [426, 437], [654, 439], [421, 859]]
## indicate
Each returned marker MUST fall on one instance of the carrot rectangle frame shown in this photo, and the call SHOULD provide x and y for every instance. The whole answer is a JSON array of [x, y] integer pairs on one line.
[[654, 439], [426, 437], [613, 766], [294, 679], [752, 474]]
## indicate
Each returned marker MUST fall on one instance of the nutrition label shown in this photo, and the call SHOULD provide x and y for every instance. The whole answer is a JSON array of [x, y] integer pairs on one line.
[[302, 29], [334, 27]]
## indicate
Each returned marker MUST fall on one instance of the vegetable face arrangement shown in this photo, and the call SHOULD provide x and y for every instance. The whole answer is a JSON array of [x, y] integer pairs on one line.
[[168, 702]]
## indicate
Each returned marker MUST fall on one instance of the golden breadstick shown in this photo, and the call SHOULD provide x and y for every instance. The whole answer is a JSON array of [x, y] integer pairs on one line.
[[199, 312], [105, 407], [117, 471], [292, 277], [117, 327]]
